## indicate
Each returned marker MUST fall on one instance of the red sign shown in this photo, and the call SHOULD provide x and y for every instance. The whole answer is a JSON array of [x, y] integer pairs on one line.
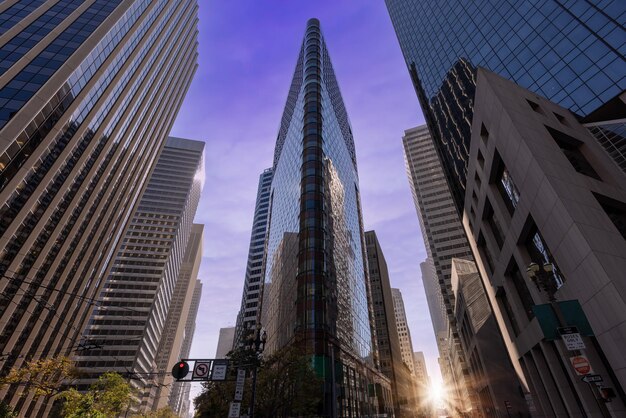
[[581, 365]]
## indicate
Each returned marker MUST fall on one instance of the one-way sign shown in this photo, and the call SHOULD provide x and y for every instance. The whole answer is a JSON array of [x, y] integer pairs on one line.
[[592, 378]]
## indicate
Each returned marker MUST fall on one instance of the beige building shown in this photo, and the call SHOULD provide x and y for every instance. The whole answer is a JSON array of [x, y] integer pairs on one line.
[[176, 340], [406, 345], [85, 110], [540, 189], [225, 342]]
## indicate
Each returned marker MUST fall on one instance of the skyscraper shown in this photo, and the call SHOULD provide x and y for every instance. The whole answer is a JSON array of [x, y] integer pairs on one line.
[[406, 344], [181, 310], [179, 397], [569, 52], [129, 321], [88, 93], [225, 342], [251, 298], [388, 340], [316, 295]]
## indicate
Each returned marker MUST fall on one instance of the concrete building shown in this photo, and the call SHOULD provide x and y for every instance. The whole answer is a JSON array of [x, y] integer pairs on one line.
[[253, 283], [317, 295], [88, 92], [386, 331], [425, 407], [225, 342], [174, 338], [542, 190], [128, 325], [406, 344], [179, 399]]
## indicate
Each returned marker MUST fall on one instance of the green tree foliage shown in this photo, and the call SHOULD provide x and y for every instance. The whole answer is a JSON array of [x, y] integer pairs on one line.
[[107, 397], [6, 411], [43, 377], [160, 413], [286, 386]]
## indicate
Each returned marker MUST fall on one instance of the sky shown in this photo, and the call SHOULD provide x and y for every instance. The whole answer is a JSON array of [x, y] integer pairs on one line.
[[248, 51]]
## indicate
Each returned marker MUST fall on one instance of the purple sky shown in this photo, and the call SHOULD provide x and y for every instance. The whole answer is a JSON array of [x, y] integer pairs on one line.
[[248, 52]]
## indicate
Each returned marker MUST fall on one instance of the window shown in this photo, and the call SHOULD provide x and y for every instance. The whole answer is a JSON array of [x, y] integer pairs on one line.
[[484, 134], [496, 229], [571, 148], [481, 160], [505, 307], [520, 283], [503, 181], [538, 250], [534, 106], [615, 210]]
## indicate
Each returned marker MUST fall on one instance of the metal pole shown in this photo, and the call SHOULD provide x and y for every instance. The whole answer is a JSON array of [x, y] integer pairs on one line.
[[253, 391], [332, 373]]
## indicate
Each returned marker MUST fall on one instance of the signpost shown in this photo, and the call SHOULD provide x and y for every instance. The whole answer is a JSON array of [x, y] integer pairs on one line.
[[219, 371], [581, 365], [572, 339], [234, 410], [592, 378], [201, 370], [241, 379]]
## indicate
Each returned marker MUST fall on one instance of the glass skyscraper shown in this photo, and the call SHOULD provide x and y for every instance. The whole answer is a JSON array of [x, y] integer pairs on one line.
[[571, 52], [88, 93], [316, 293]]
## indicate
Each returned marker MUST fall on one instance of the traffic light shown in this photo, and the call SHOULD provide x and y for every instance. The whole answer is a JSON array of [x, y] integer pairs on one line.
[[180, 370]]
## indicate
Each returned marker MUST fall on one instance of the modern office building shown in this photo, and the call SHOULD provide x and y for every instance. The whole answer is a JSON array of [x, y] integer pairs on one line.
[[317, 294], [128, 324], [179, 399], [225, 342], [253, 283], [88, 92], [386, 331], [569, 52], [406, 344], [542, 190], [444, 239], [425, 407], [174, 335]]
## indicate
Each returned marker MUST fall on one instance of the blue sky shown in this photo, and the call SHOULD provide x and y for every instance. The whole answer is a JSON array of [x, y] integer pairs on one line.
[[248, 51]]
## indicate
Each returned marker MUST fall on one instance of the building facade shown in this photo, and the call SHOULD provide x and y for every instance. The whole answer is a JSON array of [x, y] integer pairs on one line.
[[386, 330], [181, 309], [88, 92], [316, 294], [129, 323], [225, 342], [569, 52], [546, 192], [406, 344], [253, 283], [180, 401]]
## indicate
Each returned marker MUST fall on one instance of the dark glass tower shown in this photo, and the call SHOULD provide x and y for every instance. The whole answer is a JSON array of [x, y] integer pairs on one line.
[[88, 92], [569, 52], [316, 293]]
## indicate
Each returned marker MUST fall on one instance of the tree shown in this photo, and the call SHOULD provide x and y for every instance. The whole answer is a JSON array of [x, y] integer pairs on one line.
[[107, 397], [6, 411], [159, 413], [286, 386], [44, 377]]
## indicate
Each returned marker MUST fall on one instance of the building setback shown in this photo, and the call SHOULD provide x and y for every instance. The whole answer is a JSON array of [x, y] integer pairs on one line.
[[129, 323], [386, 330], [253, 283], [316, 295], [88, 92], [179, 398], [181, 310]]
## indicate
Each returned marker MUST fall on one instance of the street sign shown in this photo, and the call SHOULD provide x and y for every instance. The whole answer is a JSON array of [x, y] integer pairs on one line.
[[241, 380], [219, 371], [581, 365], [592, 378], [235, 409], [572, 339], [201, 370]]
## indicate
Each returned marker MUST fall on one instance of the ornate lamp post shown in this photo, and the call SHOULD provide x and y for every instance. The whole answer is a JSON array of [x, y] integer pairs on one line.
[[543, 278], [256, 342]]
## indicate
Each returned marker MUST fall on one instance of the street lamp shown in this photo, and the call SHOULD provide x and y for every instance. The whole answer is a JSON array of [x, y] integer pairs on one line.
[[256, 343], [543, 278]]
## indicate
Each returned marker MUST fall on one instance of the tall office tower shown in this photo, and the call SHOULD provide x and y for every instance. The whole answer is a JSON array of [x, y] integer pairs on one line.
[[386, 330], [406, 344], [569, 52], [179, 398], [444, 239], [88, 93], [129, 321], [421, 374], [180, 310], [423, 385], [317, 294], [225, 342], [251, 298]]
